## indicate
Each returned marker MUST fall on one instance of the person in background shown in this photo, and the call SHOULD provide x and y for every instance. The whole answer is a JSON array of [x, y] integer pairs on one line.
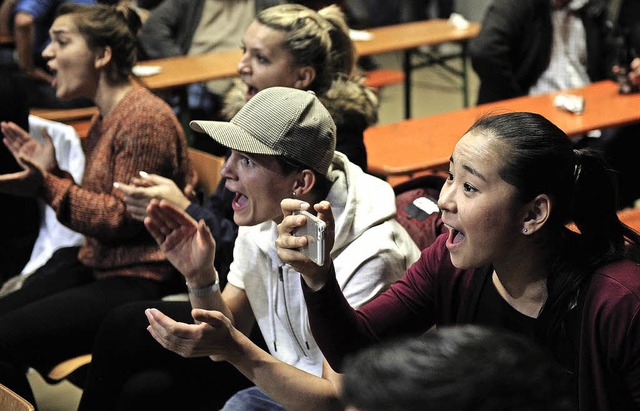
[[509, 261], [92, 52], [533, 47], [325, 55], [188, 27], [456, 368]]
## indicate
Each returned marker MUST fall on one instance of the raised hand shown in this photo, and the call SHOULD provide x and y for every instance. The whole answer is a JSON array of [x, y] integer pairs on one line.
[[188, 244], [34, 157], [288, 245], [28, 151]]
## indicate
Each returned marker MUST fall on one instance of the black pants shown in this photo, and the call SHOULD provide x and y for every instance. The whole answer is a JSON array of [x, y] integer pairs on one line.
[[132, 371], [56, 315]]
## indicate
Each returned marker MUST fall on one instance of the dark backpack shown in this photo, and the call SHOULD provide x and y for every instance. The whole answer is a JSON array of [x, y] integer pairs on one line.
[[417, 208]]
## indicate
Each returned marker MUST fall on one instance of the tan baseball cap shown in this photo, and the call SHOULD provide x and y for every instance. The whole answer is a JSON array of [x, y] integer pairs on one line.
[[279, 121]]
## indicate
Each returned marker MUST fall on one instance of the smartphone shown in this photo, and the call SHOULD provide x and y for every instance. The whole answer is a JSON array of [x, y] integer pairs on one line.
[[314, 231]]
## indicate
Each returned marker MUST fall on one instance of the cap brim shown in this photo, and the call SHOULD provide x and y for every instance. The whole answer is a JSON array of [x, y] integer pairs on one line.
[[232, 136]]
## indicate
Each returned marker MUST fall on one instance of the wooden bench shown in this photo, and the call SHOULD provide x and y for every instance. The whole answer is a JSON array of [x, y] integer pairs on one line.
[[631, 217], [383, 77]]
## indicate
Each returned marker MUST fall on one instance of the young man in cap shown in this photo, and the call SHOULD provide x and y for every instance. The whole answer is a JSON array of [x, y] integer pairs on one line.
[[282, 145]]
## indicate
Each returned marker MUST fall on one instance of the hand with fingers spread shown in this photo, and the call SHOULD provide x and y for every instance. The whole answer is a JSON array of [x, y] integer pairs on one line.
[[141, 191], [212, 336], [188, 244], [288, 245], [27, 150], [34, 157]]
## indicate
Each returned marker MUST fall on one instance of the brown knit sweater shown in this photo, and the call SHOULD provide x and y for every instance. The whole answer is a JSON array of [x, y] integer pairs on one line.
[[140, 134]]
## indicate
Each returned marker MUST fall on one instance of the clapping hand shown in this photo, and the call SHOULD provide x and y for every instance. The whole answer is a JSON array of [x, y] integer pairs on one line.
[[36, 158]]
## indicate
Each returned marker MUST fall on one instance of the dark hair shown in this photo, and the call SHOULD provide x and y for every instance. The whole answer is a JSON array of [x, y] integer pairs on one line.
[[317, 39], [542, 160], [322, 186], [456, 368], [113, 26]]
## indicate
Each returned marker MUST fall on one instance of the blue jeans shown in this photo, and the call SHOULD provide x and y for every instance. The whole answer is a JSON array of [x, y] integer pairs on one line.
[[252, 399]]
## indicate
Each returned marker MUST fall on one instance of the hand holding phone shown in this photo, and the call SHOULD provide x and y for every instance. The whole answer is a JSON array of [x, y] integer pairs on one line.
[[314, 231]]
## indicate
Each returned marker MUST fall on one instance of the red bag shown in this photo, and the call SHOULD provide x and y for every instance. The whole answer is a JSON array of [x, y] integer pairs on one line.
[[417, 208]]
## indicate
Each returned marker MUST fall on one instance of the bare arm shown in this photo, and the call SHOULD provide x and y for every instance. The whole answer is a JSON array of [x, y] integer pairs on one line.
[[214, 335]]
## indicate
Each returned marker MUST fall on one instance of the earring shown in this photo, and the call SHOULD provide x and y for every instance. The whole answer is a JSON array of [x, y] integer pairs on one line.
[[294, 194], [524, 230]]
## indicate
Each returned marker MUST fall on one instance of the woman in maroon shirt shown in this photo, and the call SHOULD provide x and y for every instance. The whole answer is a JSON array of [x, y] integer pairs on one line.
[[515, 184]]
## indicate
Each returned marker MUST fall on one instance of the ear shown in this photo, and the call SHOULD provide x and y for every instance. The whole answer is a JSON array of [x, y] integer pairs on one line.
[[537, 212], [303, 185], [102, 57], [305, 76]]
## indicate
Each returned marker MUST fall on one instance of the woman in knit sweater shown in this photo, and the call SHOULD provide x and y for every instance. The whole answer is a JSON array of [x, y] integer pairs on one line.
[[91, 54]]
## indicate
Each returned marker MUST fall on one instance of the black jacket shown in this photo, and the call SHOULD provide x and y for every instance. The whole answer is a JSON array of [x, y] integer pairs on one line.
[[514, 46]]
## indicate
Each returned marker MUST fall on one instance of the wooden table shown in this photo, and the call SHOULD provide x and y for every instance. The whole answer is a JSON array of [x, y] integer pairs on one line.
[[181, 71], [184, 70], [407, 37], [416, 145]]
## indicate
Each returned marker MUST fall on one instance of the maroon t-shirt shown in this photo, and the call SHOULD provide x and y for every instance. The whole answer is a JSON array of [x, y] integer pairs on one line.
[[433, 292]]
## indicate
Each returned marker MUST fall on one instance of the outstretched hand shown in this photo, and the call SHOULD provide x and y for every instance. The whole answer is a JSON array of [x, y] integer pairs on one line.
[[213, 336], [188, 244], [288, 245], [141, 191]]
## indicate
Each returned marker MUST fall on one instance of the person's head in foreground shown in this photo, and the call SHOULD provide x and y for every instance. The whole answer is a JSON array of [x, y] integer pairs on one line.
[[282, 143], [515, 184], [457, 368]]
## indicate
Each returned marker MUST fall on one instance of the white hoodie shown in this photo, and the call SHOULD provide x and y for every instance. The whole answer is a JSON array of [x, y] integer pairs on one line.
[[371, 251]]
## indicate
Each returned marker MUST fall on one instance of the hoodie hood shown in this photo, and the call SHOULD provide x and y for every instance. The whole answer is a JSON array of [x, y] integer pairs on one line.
[[350, 190]]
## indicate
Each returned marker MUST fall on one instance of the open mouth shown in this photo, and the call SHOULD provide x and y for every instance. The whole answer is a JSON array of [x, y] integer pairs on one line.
[[54, 76], [251, 91], [239, 202], [455, 236]]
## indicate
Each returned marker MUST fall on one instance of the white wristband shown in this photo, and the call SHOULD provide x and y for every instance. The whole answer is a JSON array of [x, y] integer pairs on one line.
[[207, 289]]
